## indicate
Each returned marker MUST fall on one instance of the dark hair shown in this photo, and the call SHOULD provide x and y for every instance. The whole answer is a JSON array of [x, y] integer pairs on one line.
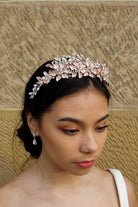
[[45, 97]]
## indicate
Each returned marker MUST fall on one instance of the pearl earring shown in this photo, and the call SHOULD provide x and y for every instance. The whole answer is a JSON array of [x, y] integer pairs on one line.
[[34, 140]]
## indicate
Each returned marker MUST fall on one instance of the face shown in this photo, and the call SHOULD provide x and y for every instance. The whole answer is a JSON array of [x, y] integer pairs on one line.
[[74, 131]]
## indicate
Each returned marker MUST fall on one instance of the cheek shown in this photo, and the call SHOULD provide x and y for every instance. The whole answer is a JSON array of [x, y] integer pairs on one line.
[[57, 144]]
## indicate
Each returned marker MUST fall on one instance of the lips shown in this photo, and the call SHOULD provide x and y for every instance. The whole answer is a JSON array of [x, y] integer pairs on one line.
[[85, 164]]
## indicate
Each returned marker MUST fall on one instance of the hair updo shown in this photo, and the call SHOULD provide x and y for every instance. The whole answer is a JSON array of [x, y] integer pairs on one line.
[[45, 97]]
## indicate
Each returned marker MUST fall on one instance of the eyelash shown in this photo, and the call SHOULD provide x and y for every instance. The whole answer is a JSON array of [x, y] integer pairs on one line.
[[101, 129], [74, 131], [70, 132]]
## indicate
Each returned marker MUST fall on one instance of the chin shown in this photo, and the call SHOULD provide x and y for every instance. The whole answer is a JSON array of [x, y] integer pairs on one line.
[[81, 172]]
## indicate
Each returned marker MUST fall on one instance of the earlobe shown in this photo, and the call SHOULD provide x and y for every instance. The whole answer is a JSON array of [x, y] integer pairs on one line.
[[32, 123]]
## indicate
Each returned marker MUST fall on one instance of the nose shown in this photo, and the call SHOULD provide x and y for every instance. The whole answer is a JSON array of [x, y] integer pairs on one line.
[[88, 145]]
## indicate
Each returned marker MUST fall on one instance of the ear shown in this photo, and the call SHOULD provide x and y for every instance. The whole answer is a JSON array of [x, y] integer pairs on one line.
[[32, 123]]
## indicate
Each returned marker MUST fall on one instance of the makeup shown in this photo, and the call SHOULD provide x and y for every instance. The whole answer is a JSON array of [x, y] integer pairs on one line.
[[85, 164]]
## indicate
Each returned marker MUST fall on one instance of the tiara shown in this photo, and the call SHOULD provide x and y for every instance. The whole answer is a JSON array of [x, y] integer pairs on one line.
[[71, 66]]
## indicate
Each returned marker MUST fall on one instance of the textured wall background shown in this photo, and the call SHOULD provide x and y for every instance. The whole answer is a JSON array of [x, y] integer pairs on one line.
[[33, 32]]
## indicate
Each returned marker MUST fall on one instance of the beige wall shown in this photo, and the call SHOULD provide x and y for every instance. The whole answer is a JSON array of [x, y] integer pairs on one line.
[[33, 32], [65, 1]]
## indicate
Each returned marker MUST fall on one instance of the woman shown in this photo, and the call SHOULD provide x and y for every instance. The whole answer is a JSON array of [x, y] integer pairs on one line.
[[65, 126]]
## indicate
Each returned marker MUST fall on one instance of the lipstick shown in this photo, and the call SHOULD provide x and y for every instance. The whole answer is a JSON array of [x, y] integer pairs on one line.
[[85, 164]]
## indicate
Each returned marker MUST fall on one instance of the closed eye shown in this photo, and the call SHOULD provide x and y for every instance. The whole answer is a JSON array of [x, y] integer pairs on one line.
[[101, 129], [70, 131]]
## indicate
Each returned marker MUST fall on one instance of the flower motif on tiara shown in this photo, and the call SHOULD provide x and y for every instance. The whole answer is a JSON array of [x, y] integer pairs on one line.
[[71, 66]]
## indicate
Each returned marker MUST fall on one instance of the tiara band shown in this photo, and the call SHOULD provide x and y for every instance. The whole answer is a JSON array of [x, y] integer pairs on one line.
[[71, 66]]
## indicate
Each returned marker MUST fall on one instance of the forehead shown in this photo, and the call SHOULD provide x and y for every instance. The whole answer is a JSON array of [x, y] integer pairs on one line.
[[85, 103]]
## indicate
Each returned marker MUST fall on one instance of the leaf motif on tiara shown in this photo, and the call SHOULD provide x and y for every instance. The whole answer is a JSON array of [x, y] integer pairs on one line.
[[83, 70], [56, 66], [61, 66], [86, 74], [53, 73], [58, 77], [71, 66], [74, 74], [64, 75], [80, 75], [39, 79]]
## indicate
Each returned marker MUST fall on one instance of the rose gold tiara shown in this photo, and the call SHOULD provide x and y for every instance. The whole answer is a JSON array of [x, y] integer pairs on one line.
[[71, 66]]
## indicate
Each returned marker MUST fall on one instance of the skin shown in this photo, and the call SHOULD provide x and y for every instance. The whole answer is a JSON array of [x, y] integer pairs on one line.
[[55, 179]]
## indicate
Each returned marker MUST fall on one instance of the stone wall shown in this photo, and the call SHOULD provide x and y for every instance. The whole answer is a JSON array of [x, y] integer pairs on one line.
[[33, 32]]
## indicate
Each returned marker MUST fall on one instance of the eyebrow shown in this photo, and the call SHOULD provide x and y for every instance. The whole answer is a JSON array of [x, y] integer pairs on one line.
[[70, 119], [103, 118]]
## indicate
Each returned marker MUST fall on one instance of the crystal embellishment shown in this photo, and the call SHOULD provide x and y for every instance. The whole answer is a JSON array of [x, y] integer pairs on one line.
[[34, 142], [71, 66]]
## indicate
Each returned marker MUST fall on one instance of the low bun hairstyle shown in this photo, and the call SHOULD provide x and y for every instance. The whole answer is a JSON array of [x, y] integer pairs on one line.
[[45, 97]]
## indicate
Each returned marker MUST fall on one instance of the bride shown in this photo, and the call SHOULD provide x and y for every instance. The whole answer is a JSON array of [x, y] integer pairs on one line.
[[64, 126]]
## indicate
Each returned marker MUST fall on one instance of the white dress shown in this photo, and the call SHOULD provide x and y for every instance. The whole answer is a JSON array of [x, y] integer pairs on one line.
[[121, 187]]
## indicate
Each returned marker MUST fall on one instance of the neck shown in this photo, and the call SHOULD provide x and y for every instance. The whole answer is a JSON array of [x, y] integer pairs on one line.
[[49, 176]]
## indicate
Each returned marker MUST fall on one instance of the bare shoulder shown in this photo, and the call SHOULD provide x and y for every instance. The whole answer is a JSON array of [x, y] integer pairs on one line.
[[106, 181], [17, 191], [104, 175], [131, 193], [5, 191], [9, 193], [106, 178]]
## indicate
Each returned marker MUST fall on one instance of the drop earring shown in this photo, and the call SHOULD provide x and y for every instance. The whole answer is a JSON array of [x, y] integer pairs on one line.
[[34, 140]]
